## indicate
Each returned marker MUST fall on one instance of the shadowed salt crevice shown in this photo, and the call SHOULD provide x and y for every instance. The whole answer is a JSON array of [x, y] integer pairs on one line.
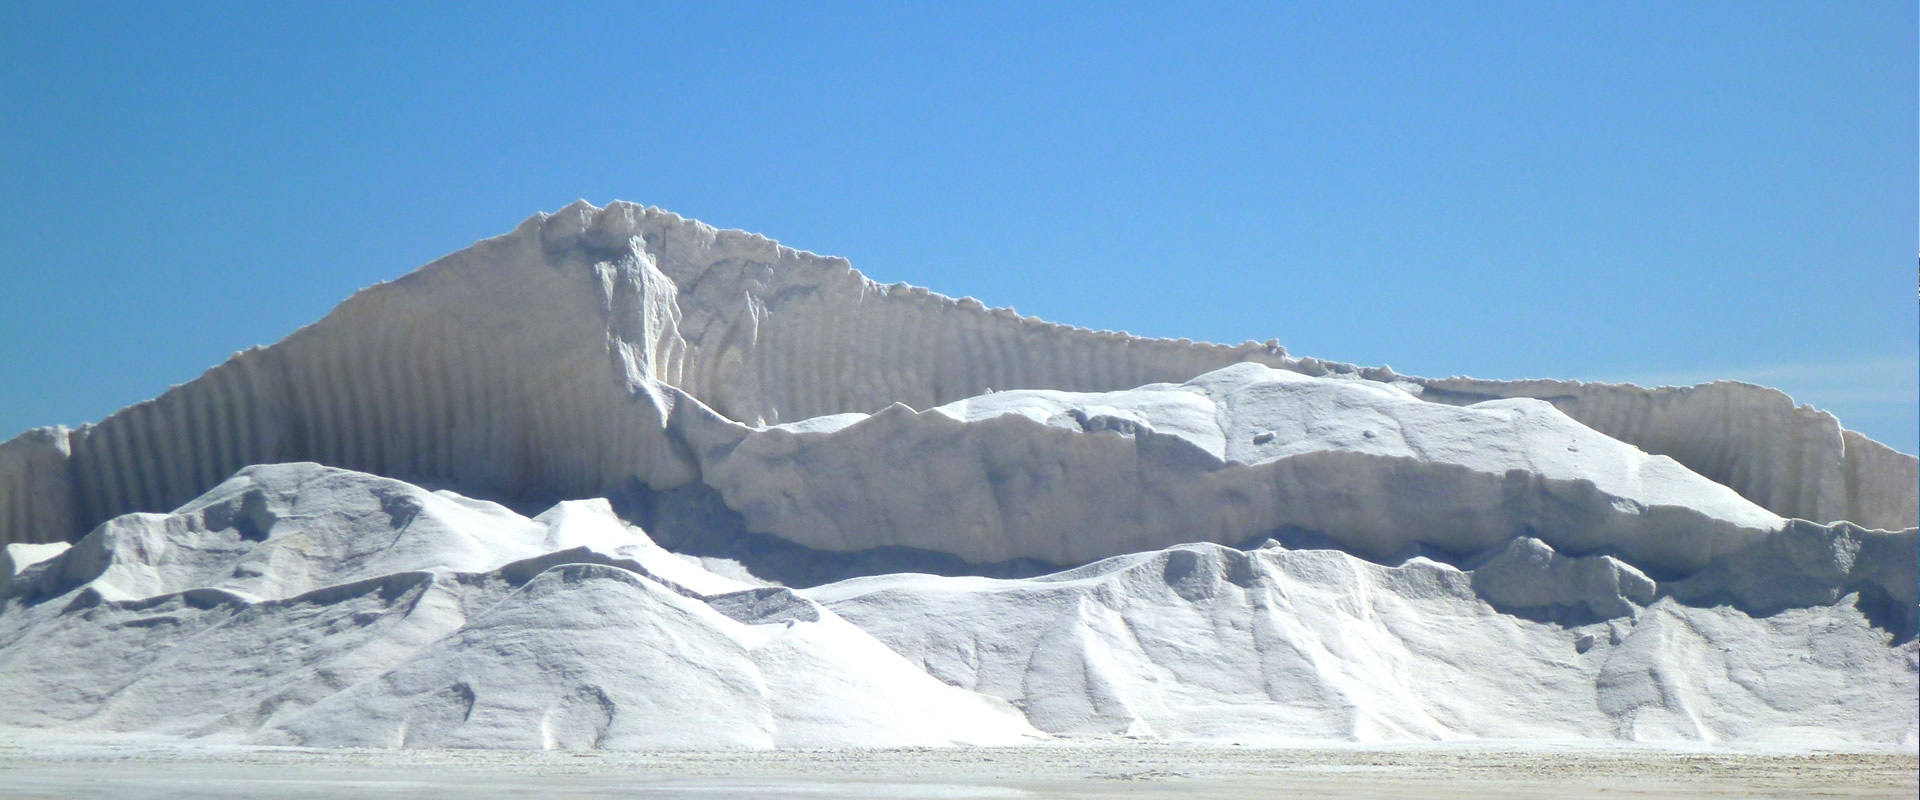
[[1807, 565], [1529, 579], [695, 521]]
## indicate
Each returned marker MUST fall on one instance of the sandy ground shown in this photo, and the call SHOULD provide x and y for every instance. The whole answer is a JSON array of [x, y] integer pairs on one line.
[[130, 768]]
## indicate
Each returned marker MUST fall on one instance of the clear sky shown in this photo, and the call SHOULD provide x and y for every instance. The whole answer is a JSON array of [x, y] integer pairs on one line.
[[1660, 192]]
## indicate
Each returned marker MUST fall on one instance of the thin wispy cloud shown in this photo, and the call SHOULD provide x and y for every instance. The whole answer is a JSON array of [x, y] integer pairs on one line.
[[1868, 381]]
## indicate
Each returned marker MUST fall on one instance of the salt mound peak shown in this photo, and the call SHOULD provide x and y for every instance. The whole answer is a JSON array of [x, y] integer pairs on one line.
[[593, 347], [278, 530]]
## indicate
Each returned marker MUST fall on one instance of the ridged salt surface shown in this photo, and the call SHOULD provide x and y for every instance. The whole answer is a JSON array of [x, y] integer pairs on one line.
[[570, 356], [1188, 541]]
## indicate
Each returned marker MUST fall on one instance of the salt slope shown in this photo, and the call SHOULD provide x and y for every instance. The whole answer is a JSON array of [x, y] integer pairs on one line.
[[562, 360], [1272, 646], [454, 623], [591, 656], [1233, 454]]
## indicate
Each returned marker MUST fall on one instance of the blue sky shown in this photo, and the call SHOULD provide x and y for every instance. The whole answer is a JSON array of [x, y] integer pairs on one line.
[[1656, 192]]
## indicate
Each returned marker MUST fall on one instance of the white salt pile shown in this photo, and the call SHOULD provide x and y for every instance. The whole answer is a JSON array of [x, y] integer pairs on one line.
[[303, 604], [783, 506]]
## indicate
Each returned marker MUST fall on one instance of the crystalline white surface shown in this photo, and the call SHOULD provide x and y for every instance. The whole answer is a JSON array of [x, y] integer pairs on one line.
[[1444, 558]]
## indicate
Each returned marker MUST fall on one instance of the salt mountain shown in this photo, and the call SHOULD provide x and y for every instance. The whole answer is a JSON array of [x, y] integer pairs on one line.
[[618, 479]]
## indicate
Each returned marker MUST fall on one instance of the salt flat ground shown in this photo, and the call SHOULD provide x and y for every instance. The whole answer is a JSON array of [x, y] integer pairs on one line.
[[124, 768]]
